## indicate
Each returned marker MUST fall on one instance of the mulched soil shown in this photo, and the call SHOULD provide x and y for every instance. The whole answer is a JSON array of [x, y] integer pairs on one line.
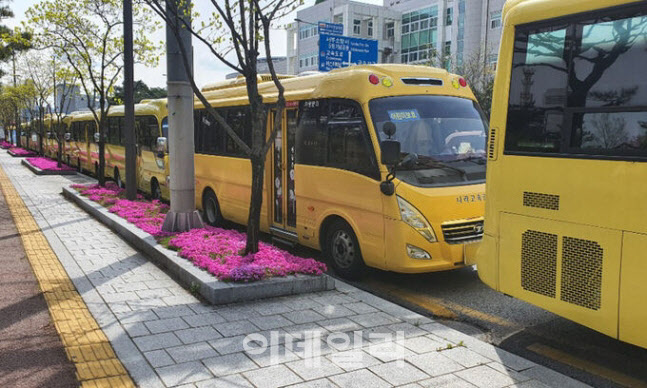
[[31, 352]]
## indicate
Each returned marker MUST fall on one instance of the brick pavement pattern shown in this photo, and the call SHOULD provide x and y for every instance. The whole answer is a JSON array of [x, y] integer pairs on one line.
[[166, 338], [85, 343]]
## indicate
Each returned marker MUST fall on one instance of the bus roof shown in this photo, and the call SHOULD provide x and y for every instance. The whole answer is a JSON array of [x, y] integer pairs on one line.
[[527, 11], [352, 83]]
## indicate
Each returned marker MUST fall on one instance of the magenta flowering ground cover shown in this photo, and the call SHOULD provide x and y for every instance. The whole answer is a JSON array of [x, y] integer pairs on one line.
[[48, 164], [21, 151], [216, 250], [6, 145]]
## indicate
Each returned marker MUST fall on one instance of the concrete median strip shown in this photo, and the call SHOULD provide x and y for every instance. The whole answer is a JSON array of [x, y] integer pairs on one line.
[[213, 290]]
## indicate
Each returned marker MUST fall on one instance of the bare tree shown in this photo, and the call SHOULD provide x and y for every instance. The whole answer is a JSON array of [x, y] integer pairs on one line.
[[240, 29]]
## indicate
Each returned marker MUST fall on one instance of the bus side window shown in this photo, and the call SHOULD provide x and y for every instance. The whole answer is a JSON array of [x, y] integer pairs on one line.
[[113, 130], [311, 136]]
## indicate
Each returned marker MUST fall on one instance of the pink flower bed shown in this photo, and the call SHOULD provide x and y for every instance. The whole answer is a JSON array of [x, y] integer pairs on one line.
[[21, 152], [48, 164], [6, 145], [216, 250]]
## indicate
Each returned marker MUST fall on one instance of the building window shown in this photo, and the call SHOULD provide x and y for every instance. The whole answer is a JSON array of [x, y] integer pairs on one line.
[[300, 62], [495, 19], [339, 18], [389, 29], [357, 27], [447, 49], [369, 28], [449, 18]]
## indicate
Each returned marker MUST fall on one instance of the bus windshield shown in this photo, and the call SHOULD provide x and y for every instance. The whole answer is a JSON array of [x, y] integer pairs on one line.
[[446, 134]]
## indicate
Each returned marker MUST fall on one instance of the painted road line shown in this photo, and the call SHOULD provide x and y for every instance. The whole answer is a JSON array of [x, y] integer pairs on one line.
[[85, 343], [587, 366], [439, 307]]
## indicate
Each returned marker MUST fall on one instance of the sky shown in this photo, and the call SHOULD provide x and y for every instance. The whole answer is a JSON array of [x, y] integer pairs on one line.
[[207, 68]]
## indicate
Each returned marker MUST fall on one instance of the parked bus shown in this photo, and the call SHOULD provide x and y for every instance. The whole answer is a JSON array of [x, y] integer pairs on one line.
[[151, 125], [81, 149], [565, 217], [324, 173]]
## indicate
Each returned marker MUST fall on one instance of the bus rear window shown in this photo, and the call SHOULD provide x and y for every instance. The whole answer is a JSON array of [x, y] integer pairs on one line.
[[576, 89]]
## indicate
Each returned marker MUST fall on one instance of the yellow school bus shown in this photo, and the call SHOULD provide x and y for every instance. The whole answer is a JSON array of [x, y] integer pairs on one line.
[[81, 148], [567, 159], [24, 134], [151, 124], [325, 184], [50, 145]]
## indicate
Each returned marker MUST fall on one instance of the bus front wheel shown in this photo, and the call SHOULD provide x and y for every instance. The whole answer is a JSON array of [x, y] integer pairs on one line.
[[211, 208], [118, 179], [156, 192], [342, 249]]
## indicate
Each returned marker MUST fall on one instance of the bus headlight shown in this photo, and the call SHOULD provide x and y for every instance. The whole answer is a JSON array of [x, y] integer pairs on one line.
[[417, 253], [412, 217]]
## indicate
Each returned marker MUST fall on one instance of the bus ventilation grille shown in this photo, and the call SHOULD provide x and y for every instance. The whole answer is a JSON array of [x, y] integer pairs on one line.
[[582, 272], [539, 262], [540, 200], [491, 148]]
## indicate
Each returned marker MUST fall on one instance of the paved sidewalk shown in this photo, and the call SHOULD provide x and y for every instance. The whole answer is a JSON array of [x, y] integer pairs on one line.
[[341, 338]]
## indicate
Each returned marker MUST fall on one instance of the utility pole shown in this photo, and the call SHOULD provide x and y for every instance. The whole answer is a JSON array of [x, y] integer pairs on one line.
[[183, 216], [129, 104], [17, 118]]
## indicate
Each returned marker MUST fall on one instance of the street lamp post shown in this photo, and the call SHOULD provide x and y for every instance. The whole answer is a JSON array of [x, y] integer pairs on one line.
[[129, 103]]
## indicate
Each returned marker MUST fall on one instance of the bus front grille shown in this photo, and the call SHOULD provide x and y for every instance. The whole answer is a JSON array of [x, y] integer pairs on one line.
[[460, 232]]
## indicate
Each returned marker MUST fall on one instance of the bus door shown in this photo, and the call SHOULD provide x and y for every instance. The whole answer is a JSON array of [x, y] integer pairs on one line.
[[284, 204]]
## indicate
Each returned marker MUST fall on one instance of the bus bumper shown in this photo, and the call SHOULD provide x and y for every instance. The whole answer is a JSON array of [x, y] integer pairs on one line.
[[443, 256]]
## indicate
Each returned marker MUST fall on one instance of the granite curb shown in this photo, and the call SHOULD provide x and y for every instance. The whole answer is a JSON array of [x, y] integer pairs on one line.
[[38, 171], [213, 290]]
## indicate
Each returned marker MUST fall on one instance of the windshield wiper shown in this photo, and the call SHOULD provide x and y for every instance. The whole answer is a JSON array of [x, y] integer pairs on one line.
[[475, 159], [428, 161]]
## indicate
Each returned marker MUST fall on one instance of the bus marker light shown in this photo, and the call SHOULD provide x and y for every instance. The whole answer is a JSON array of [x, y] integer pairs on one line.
[[455, 83], [373, 79], [388, 82], [462, 82], [311, 208]]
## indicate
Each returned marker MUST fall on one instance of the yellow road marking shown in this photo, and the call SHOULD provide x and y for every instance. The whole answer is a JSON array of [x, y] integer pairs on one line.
[[586, 365], [440, 307], [85, 343]]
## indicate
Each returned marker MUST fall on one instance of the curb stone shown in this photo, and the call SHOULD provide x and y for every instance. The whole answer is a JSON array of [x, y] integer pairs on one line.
[[213, 290]]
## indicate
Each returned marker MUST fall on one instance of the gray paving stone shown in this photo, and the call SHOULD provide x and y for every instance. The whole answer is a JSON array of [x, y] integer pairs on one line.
[[198, 334], [298, 302], [145, 304], [230, 329], [465, 357], [231, 381], [135, 286], [321, 383], [339, 325], [271, 322], [228, 345], [229, 364], [485, 377], [529, 384], [136, 329], [270, 307], [136, 316], [272, 377], [314, 368], [446, 381], [147, 293], [398, 372], [172, 311], [353, 359], [180, 300], [166, 325], [119, 307], [158, 358], [434, 364], [552, 378], [407, 329], [333, 297], [360, 308], [237, 312], [359, 379], [422, 344], [156, 341], [305, 327], [272, 355], [508, 371], [374, 319], [335, 311], [388, 351], [183, 373], [207, 319], [191, 352], [201, 308], [120, 297], [303, 316]]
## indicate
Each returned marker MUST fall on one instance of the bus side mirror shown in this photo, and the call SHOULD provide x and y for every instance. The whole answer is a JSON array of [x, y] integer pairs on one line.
[[390, 152], [162, 146], [97, 137], [67, 136]]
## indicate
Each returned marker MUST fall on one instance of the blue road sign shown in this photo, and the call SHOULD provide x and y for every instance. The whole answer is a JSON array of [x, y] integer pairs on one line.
[[341, 51], [331, 28]]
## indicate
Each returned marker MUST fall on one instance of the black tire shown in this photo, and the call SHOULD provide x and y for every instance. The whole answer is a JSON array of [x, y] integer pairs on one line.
[[342, 249], [211, 209], [156, 191], [118, 179]]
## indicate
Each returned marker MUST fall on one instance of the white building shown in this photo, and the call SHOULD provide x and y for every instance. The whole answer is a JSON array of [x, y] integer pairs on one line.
[[280, 66], [408, 31]]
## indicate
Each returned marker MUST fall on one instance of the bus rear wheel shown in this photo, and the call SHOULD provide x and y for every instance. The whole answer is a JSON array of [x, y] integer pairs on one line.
[[342, 249], [211, 208], [118, 179]]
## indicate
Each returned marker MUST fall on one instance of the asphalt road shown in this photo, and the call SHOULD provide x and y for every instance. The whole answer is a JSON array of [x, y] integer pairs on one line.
[[460, 300]]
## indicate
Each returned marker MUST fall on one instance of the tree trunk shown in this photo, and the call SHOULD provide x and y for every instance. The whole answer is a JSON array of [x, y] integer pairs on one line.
[[255, 204], [59, 153], [102, 162]]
